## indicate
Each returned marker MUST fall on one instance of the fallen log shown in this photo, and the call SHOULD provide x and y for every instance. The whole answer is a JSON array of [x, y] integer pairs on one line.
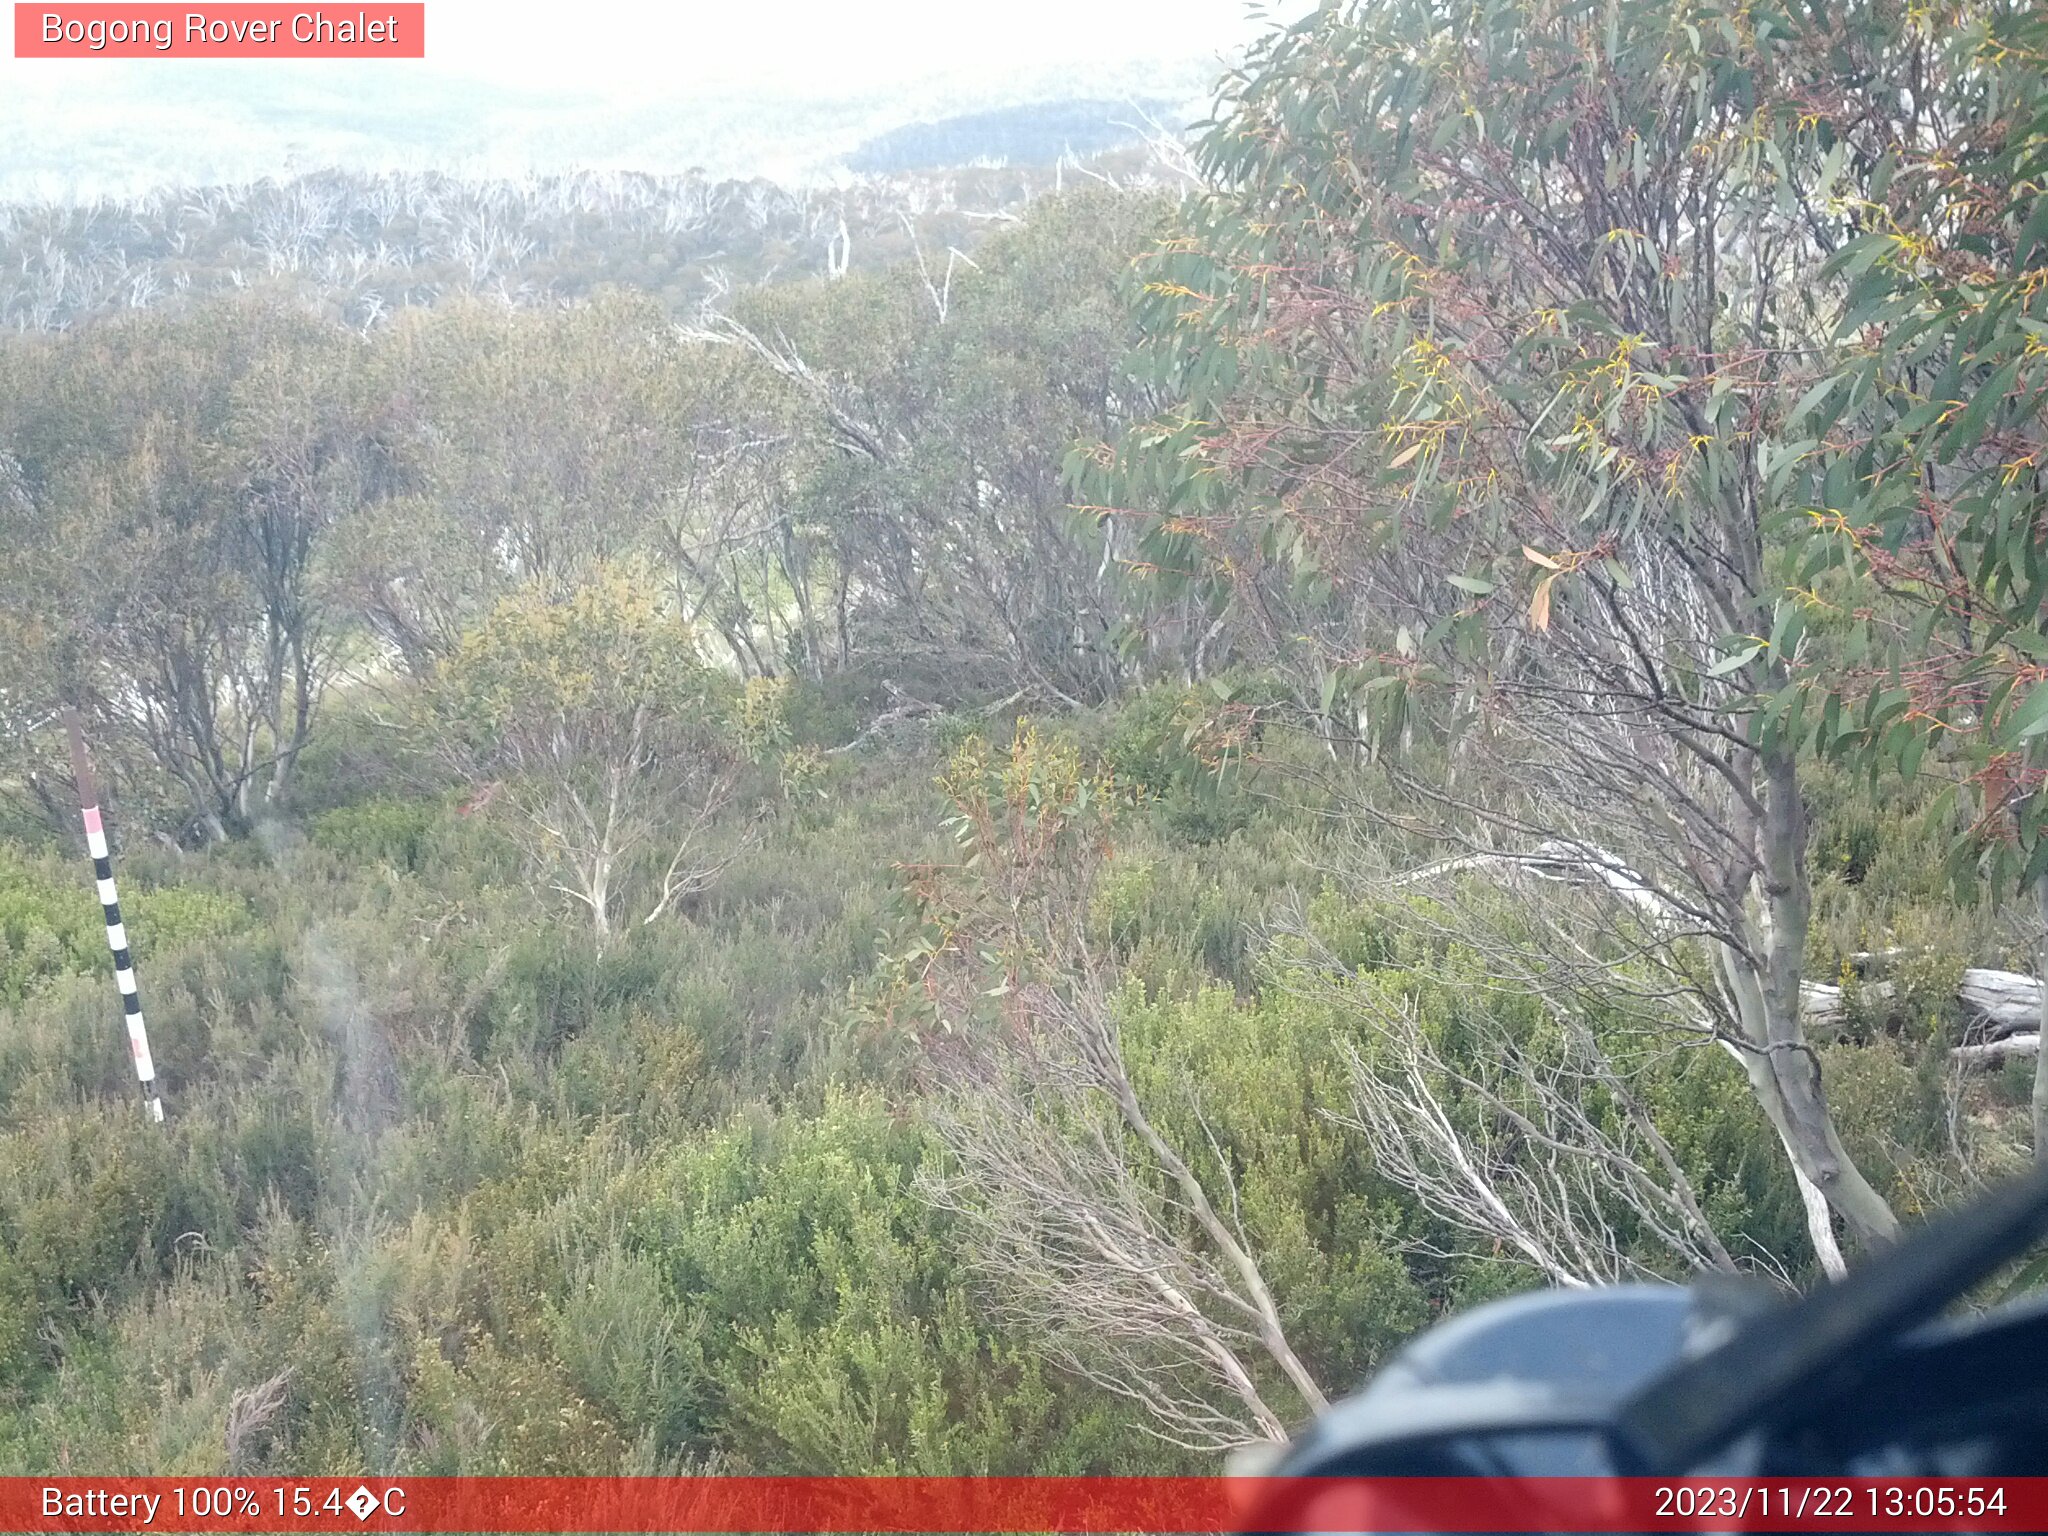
[[2007, 1001], [1992, 1053], [1995, 1003]]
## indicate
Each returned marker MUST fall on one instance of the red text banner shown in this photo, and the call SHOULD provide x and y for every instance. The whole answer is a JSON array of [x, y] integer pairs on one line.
[[1000, 1504], [376, 31]]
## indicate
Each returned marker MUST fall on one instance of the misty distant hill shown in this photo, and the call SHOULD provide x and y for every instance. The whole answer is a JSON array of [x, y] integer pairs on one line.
[[112, 134], [1037, 133]]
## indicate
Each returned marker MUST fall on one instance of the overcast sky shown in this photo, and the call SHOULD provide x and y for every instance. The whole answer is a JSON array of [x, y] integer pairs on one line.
[[736, 86], [838, 47], [806, 45]]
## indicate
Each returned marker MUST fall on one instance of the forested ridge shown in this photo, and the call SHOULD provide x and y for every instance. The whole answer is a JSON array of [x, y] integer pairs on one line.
[[1023, 852], [360, 246]]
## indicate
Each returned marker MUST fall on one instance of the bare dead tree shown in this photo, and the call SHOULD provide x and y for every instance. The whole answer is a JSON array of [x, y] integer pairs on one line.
[[782, 357], [1549, 1156], [1586, 933], [252, 1412], [941, 291], [1541, 1144], [1095, 1233], [726, 532], [838, 251], [596, 803], [932, 524]]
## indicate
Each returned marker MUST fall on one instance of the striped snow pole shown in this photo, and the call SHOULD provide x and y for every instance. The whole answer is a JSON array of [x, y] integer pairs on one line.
[[117, 934]]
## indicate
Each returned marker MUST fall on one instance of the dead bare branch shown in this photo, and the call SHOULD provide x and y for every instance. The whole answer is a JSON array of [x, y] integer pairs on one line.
[[1092, 1230]]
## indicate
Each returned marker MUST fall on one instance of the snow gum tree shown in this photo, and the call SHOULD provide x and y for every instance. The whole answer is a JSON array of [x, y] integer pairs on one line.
[[1498, 348]]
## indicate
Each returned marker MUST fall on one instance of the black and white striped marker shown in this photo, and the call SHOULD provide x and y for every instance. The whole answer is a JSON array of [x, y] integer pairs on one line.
[[110, 903]]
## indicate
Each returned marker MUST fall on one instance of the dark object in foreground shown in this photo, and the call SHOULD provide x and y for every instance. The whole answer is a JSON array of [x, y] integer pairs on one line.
[[1858, 1379]]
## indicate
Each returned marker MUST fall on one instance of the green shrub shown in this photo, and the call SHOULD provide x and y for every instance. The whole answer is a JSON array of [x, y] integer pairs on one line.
[[398, 833], [632, 1350], [51, 924], [1156, 743], [507, 1201]]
